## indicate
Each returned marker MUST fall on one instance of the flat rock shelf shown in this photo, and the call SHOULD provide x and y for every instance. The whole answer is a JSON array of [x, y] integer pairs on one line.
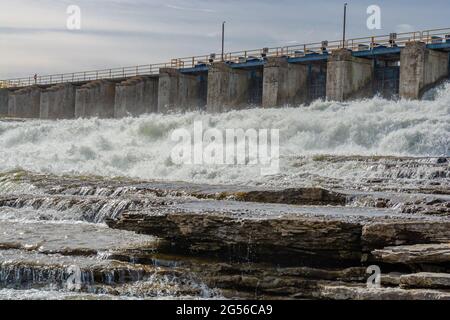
[[133, 239]]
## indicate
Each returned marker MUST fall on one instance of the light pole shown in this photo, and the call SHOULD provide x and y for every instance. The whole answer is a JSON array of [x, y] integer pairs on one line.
[[345, 25], [223, 41]]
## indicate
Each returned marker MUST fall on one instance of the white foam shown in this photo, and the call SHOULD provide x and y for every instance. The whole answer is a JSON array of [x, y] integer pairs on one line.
[[140, 147]]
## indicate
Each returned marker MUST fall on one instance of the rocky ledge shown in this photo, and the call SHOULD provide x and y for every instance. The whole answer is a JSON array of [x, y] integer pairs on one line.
[[310, 248], [249, 242]]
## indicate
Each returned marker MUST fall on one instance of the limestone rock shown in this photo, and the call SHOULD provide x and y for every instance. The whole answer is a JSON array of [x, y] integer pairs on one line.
[[363, 293], [355, 274], [299, 196], [416, 254], [380, 235], [391, 279], [290, 237], [426, 280]]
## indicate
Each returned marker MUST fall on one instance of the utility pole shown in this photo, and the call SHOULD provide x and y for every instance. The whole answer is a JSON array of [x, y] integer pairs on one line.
[[345, 25], [223, 41]]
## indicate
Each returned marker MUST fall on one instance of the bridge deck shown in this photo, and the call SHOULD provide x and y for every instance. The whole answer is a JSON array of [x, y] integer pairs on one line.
[[315, 57]]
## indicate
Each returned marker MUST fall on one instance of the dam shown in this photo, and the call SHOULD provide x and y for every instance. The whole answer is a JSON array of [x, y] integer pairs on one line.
[[398, 65]]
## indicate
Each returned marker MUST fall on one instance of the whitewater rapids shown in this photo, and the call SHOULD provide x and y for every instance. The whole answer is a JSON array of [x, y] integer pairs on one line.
[[141, 147]]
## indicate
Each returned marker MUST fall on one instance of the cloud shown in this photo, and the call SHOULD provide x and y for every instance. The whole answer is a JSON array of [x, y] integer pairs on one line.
[[115, 33], [403, 28], [188, 9]]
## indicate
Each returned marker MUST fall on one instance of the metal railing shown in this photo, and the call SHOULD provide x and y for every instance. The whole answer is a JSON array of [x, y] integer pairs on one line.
[[84, 76], [358, 44]]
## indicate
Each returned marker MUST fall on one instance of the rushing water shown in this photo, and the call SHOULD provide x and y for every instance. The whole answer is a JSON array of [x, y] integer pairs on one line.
[[40, 247], [141, 147], [43, 231]]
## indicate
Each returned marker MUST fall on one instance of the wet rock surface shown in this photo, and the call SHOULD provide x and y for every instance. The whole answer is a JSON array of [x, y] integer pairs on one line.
[[267, 232], [70, 238], [384, 234], [433, 200], [388, 294], [148, 240], [21, 270], [426, 280], [249, 239], [417, 254]]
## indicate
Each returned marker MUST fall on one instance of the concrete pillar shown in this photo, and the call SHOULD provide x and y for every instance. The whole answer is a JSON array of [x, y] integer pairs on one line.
[[136, 96], [179, 92], [4, 98], [349, 77], [95, 99], [58, 102], [284, 83], [421, 69], [228, 88], [25, 103]]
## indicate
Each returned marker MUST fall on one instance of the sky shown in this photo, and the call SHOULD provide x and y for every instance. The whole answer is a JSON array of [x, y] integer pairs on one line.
[[114, 33]]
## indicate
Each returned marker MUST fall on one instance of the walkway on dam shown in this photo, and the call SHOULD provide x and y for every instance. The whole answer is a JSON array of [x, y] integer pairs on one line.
[[436, 39]]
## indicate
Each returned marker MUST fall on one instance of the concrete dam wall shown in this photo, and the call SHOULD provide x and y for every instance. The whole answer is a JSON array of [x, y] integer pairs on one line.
[[25, 102], [58, 102], [284, 83], [421, 68], [340, 75], [136, 96], [349, 77], [180, 92], [95, 99], [4, 101]]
